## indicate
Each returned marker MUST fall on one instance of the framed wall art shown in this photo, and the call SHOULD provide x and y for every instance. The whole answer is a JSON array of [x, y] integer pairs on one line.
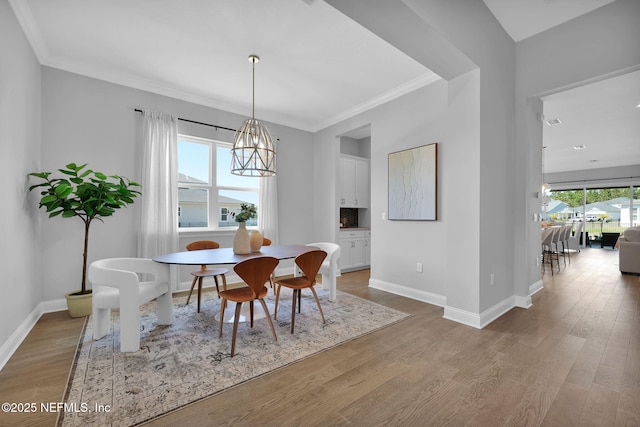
[[413, 184]]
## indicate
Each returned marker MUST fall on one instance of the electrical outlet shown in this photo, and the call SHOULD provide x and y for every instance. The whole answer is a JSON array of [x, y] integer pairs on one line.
[[491, 281], [419, 267]]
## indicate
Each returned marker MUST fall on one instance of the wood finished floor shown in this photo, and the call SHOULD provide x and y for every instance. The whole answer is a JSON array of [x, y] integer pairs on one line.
[[573, 359]]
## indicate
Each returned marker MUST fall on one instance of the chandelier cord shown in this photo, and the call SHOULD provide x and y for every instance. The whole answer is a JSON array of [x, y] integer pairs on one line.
[[253, 91]]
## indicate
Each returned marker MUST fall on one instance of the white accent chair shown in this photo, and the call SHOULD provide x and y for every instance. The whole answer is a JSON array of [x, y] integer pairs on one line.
[[117, 284], [329, 268], [629, 251]]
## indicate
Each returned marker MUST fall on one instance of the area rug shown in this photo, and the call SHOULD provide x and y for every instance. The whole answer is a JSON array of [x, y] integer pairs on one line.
[[186, 362]]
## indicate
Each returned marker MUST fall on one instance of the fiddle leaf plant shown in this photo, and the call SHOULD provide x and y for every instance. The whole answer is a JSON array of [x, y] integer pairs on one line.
[[85, 194]]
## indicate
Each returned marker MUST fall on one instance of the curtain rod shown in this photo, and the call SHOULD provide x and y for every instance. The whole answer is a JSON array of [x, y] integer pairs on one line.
[[137, 110]]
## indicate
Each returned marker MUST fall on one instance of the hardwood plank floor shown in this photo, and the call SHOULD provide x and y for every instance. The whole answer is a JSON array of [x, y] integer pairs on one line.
[[571, 359]]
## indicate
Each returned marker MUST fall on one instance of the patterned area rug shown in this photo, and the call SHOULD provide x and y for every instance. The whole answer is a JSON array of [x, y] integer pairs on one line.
[[186, 361]]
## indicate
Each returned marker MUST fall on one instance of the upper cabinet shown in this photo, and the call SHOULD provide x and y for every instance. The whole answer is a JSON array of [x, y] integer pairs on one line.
[[354, 178]]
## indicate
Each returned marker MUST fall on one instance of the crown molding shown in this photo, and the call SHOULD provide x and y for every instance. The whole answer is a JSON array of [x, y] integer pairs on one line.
[[25, 18], [390, 95]]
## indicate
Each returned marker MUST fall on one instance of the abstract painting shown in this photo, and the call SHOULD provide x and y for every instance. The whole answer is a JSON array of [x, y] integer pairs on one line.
[[413, 184]]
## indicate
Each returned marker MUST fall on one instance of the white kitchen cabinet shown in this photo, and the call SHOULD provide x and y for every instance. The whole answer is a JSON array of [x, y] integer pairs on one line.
[[354, 182], [355, 251]]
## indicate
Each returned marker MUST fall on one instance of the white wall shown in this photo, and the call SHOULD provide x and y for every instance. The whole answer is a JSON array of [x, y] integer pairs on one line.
[[20, 290], [90, 121]]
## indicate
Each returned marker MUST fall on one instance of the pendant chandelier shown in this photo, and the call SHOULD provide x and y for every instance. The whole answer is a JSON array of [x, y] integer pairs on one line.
[[253, 153]]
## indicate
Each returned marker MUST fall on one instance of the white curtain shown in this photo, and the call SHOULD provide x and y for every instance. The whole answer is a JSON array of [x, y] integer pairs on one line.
[[268, 208], [159, 220]]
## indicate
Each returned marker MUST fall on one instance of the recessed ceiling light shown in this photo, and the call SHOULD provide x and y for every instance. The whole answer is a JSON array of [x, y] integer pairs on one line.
[[592, 161], [579, 147], [552, 122]]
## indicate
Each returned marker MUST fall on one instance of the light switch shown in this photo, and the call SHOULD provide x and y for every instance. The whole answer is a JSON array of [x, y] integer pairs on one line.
[[384, 216]]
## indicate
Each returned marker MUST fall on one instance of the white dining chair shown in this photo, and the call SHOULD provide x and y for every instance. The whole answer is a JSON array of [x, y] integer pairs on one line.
[[117, 283], [329, 268], [548, 251], [573, 243]]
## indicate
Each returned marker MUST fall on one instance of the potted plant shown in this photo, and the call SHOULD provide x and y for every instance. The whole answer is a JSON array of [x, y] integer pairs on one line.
[[242, 240], [88, 195], [247, 212]]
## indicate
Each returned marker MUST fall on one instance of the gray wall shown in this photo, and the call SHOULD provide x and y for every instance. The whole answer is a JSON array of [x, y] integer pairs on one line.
[[86, 120], [20, 290], [476, 57], [415, 119]]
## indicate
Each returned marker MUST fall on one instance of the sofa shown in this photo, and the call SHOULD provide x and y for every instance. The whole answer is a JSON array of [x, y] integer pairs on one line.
[[629, 251]]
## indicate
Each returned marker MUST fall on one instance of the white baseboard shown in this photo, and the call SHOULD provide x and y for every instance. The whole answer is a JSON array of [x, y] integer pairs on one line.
[[481, 320], [412, 293], [535, 288], [11, 345], [457, 315]]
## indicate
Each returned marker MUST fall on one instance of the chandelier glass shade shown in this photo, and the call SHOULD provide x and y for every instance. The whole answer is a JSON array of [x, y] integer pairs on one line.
[[253, 152]]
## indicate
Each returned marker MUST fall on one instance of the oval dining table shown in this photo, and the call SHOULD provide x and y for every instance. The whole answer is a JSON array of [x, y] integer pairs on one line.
[[225, 256], [222, 256]]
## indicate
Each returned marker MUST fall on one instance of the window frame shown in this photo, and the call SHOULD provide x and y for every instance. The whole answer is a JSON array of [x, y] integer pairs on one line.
[[214, 211]]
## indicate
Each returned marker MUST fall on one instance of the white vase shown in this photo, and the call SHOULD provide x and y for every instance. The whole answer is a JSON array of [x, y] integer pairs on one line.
[[241, 242], [255, 240]]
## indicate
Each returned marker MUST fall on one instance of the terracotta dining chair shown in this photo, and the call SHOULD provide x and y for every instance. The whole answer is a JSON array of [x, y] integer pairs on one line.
[[309, 262], [255, 273], [204, 271], [272, 277]]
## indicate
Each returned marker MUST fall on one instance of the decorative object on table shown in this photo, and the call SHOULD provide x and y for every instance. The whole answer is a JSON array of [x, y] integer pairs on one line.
[[413, 184], [242, 240], [88, 195], [256, 240], [253, 152], [147, 384]]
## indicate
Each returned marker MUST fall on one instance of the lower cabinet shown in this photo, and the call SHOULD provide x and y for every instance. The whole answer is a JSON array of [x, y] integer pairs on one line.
[[355, 250]]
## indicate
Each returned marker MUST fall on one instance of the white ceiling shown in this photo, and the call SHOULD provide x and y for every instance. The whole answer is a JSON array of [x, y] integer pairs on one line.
[[317, 66], [525, 18], [604, 117]]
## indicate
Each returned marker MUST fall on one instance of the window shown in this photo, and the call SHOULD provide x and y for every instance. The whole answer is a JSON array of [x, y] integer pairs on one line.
[[603, 210], [209, 196]]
